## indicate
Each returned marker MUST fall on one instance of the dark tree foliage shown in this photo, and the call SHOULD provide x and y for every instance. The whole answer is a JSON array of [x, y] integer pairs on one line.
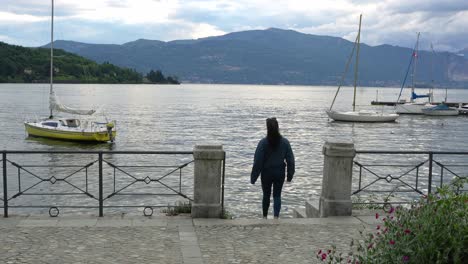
[[158, 77], [20, 64]]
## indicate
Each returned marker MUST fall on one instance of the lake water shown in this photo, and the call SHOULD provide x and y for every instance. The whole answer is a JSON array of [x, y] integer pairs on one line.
[[161, 117]]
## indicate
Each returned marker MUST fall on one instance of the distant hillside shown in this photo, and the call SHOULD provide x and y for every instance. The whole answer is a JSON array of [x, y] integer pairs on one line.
[[19, 64], [275, 56]]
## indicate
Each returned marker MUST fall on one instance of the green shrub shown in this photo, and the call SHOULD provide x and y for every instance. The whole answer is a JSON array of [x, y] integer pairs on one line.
[[433, 230], [179, 208]]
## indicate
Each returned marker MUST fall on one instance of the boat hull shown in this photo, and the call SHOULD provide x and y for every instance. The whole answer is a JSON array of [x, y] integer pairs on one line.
[[463, 110], [95, 136], [367, 117], [410, 108], [451, 112]]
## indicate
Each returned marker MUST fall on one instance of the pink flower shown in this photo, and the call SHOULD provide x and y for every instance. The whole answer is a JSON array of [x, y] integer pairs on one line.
[[370, 246], [329, 251], [324, 256], [320, 252], [378, 233], [392, 242], [376, 215], [405, 258], [391, 217], [392, 209], [384, 219], [385, 230], [378, 227], [407, 231]]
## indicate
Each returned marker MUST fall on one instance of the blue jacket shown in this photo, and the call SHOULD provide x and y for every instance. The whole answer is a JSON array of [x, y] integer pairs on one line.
[[271, 163]]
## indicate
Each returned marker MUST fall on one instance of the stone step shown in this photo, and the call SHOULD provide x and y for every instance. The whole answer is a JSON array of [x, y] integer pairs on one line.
[[312, 209], [299, 213]]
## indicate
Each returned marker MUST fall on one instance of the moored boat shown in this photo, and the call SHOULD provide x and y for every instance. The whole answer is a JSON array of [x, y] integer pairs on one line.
[[463, 109], [362, 116], [358, 116], [71, 129], [440, 110], [411, 108]]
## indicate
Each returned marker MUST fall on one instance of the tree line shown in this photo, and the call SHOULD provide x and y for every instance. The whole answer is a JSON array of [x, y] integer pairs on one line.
[[32, 65]]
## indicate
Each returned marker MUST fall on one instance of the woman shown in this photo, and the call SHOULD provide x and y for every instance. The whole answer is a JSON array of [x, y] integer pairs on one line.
[[269, 161]]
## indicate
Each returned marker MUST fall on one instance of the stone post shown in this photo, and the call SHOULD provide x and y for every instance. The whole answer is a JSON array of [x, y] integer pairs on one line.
[[207, 181], [337, 178]]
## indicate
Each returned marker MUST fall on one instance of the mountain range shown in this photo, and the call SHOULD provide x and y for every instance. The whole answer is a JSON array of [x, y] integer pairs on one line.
[[277, 56]]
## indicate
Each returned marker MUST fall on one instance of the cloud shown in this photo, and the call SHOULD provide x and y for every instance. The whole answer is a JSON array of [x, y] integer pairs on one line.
[[6, 17], [6, 39], [431, 6], [205, 30], [384, 22]]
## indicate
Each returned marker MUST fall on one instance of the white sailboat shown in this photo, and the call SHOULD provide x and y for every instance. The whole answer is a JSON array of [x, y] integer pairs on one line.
[[413, 107], [71, 129], [357, 116]]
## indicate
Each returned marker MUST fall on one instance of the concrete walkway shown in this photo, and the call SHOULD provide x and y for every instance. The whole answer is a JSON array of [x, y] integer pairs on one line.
[[172, 239]]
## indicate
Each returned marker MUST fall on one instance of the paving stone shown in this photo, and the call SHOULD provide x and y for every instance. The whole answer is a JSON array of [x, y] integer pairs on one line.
[[138, 239], [114, 222], [37, 223], [148, 222], [76, 222], [191, 251]]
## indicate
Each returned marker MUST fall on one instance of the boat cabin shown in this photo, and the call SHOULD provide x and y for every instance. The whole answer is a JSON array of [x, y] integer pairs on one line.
[[62, 123], [71, 122], [50, 123]]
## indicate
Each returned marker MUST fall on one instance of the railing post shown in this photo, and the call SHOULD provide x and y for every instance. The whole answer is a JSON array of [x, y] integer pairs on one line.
[[335, 199], [101, 201], [207, 181], [429, 188], [5, 185]]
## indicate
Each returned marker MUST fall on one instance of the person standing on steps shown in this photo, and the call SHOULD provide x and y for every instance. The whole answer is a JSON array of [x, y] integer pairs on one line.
[[269, 162]]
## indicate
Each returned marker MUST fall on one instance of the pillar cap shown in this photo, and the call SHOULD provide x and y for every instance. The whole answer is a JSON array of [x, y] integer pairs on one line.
[[339, 149], [208, 152]]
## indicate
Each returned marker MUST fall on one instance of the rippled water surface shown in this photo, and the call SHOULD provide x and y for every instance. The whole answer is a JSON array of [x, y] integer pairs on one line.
[[159, 117]]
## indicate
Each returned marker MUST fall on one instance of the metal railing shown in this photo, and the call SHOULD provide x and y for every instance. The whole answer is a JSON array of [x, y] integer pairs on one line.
[[98, 173], [416, 176]]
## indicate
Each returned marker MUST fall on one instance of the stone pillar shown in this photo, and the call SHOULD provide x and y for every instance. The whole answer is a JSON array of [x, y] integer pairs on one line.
[[207, 182], [335, 199]]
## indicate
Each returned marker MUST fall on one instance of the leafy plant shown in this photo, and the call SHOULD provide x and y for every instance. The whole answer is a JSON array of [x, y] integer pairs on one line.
[[179, 208], [433, 230], [226, 215]]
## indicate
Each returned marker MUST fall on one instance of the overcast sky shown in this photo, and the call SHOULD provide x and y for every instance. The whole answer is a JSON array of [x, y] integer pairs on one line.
[[441, 22]]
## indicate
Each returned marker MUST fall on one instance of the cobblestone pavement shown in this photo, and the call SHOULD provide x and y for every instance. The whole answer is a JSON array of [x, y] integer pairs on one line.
[[283, 242], [172, 239]]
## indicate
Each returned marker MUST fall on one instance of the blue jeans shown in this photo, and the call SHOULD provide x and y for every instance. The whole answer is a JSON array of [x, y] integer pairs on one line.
[[267, 183]]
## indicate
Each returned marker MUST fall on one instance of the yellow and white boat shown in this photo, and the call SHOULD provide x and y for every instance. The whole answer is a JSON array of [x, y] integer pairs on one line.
[[71, 129]]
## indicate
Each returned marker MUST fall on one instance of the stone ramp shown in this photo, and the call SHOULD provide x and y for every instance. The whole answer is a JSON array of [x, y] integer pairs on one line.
[[175, 239]]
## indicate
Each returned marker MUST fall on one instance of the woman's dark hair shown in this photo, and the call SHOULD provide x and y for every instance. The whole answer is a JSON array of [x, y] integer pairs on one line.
[[273, 134]]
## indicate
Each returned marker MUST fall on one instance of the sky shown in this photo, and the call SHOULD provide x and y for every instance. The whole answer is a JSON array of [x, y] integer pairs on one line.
[[442, 23]]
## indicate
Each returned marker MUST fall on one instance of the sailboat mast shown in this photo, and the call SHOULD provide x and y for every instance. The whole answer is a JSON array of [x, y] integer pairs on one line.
[[415, 55], [52, 55], [357, 63]]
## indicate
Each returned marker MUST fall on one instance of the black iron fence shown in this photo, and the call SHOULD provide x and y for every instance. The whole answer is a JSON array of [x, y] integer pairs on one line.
[[97, 177], [400, 177]]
